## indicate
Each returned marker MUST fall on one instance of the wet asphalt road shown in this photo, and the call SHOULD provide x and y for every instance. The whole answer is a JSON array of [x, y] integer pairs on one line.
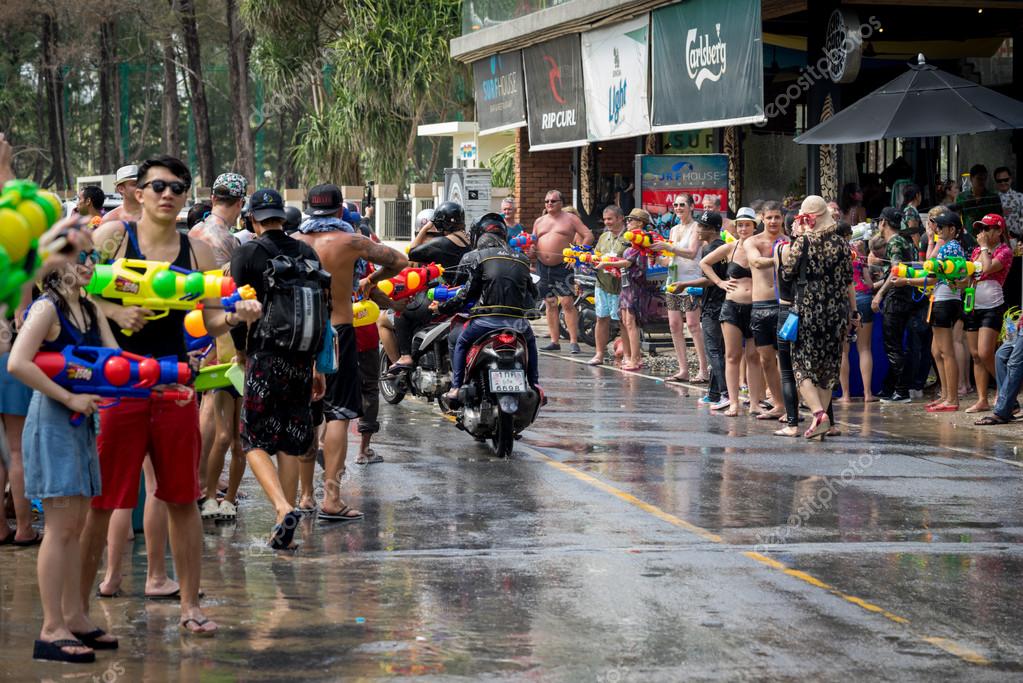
[[632, 536]]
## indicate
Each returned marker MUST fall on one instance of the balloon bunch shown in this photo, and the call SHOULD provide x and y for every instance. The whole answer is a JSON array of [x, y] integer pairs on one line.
[[26, 212]]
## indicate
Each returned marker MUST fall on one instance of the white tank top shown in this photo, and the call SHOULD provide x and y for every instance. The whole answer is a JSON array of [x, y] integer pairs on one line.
[[685, 268]]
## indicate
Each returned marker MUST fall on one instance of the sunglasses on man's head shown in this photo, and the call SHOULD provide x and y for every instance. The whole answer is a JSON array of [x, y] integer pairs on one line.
[[176, 186]]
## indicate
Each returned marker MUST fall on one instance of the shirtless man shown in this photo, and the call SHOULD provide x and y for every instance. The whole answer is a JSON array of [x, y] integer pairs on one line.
[[125, 184], [764, 320], [338, 252], [554, 232]]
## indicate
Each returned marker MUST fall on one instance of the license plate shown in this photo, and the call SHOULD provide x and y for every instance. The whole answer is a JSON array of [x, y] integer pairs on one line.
[[507, 381]]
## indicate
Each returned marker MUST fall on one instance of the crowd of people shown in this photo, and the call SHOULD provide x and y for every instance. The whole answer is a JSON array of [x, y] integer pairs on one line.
[[828, 271], [772, 300]]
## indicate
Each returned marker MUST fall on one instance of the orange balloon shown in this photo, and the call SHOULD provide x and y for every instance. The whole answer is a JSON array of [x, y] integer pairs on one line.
[[195, 325]]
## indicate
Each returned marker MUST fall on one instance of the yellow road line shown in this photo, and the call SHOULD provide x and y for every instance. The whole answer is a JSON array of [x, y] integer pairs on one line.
[[957, 649]]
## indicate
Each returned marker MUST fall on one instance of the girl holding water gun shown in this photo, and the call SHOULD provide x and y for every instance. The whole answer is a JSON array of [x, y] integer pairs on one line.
[[61, 460], [946, 308]]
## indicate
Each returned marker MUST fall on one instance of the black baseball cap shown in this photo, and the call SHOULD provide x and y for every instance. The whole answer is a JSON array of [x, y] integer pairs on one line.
[[266, 203], [325, 200], [893, 216], [709, 219], [947, 218]]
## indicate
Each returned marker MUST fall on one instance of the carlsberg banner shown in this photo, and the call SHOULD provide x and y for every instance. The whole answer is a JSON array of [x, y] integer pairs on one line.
[[615, 76], [708, 64]]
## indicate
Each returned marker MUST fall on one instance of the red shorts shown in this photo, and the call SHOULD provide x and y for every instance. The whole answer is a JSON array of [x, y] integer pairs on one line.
[[165, 431]]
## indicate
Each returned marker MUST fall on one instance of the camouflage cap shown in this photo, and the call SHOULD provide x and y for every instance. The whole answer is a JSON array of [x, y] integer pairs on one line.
[[230, 185]]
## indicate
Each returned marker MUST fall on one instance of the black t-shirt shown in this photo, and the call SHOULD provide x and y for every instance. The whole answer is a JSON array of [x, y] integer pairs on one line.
[[714, 297], [248, 264], [442, 251]]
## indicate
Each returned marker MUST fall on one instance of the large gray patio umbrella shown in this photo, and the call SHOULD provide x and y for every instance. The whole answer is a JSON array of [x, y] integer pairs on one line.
[[923, 102]]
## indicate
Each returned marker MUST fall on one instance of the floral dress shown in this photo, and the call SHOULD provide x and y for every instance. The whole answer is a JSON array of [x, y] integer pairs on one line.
[[822, 303]]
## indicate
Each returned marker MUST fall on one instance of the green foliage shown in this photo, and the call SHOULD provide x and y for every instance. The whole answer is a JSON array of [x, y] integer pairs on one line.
[[502, 164]]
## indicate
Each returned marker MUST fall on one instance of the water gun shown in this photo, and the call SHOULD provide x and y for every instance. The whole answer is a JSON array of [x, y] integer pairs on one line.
[[574, 254], [903, 270], [162, 287], [606, 258], [642, 241], [221, 377], [113, 373], [522, 242], [364, 312], [410, 281], [727, 237], [195, 326], [26, 212], [442, 293], [955, 268]]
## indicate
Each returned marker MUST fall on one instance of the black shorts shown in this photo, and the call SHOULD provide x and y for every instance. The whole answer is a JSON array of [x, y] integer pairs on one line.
[[343, 400], [764, 323], [738, 315], [276, 413], [555, 281], [990, 318], [945, 314]]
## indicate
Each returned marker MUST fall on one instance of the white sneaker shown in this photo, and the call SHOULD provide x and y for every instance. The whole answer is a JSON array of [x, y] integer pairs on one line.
[[210, 509], [228, 510]]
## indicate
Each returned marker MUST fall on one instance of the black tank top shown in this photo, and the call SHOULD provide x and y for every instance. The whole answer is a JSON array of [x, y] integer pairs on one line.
[[735, 271], [165, 336], [786, 288]]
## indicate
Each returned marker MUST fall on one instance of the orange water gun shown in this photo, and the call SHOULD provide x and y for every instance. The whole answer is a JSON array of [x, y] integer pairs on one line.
[[410, 281]]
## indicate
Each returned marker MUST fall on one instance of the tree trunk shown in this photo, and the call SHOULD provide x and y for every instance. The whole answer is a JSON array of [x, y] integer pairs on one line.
[[171, 111], [200, 110], [108, 153], [54, 82], [240, 41]]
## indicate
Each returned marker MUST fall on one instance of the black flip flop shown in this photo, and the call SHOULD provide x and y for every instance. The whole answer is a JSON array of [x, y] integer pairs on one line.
[[101, 594], [176, 595], [284, 532], [198, 622], [92, 639], [53, 651], [397, 369], [340, 515], [35, 540]]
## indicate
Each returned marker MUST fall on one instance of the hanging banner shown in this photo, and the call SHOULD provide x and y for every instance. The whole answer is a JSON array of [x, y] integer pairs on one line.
[[662, 177], [555, 100], [615, 75], [720, 80], [500, 92]]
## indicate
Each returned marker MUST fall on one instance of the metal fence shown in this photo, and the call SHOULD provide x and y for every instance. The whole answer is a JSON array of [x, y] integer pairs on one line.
[[398, 220]]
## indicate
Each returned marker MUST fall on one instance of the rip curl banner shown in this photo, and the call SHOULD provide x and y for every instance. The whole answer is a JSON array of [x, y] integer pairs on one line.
[[500, 92], [615, 75], [555, 100], [708, 64]]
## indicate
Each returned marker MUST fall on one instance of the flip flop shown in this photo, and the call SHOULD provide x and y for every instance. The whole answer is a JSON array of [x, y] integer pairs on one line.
[[197, 632], [176, 595], [306, 511], [992, 419], [92, 639], [677, 378], [340, 515], [782, 432], [397, 369], [594, 362], [769, 416], [35, 540], [971, 410], [115, 594], [284, 532], [943, 409], [53, 651], [368, 458]]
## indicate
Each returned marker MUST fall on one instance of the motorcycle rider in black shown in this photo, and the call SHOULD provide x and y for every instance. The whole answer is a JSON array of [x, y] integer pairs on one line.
[[499, 281], [443, 241]]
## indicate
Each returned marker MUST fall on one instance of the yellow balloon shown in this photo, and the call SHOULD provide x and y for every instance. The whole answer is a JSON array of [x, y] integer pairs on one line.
[[15, 235], [35, 216], [412, 280], [54, 201]]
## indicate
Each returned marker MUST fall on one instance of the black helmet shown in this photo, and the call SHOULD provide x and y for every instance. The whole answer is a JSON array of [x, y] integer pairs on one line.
[[489, 224], [293, 218], [449, 217]]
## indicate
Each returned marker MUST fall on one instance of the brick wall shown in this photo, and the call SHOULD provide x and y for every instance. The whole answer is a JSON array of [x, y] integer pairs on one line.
[[536, 173], [616, 156]]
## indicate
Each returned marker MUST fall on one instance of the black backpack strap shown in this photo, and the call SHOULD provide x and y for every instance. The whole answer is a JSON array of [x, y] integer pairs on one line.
[[272, 248]]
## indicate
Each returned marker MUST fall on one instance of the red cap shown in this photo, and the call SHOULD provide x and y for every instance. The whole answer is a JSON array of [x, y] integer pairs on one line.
[[992, 220]]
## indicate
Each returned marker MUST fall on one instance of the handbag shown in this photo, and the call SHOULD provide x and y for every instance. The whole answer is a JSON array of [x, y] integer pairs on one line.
[[326, 359], [790, 328]]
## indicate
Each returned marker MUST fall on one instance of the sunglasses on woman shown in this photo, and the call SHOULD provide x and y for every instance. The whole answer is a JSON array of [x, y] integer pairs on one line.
[[90, 255], [176, 186]]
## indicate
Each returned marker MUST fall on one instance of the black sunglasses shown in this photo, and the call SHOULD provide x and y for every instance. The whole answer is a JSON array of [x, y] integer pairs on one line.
[[682, 205], [1002, 180], [176, 186]]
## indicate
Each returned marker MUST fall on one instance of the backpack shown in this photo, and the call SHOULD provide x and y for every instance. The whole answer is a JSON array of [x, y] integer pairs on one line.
[[296, 308]]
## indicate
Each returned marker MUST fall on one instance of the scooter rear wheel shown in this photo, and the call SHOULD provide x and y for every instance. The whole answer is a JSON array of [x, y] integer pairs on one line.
[[390, 387]]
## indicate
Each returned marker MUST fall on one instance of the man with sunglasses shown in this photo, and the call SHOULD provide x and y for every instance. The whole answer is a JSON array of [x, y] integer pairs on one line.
[[1012, 201], [168, 432], [554, 232]]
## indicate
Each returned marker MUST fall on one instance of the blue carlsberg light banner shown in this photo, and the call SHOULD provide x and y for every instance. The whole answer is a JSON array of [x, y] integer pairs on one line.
[[615, 74], [708, 64], [500, 92]]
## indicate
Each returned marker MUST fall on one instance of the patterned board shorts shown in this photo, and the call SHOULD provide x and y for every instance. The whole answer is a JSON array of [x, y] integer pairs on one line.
[[277, 415], [682, 302]]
